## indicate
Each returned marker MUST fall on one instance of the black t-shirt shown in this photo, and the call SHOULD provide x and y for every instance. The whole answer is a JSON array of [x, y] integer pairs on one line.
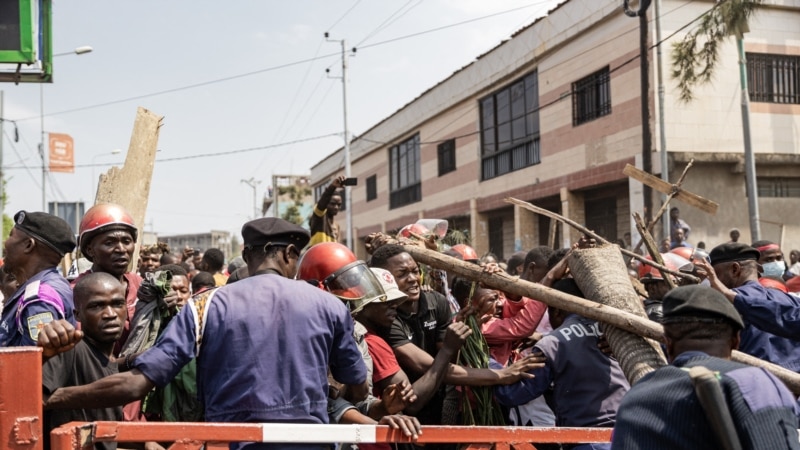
[[83, 364], [424, 329]]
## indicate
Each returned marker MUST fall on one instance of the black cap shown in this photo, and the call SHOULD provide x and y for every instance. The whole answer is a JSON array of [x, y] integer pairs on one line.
[[697, 303], [732, 251], [271, 230], [48, 229]]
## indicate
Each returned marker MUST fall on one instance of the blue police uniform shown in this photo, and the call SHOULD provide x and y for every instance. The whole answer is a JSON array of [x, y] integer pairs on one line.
[[587, 384], [43, 298], [772, 324], [263, 348], [662, 410]]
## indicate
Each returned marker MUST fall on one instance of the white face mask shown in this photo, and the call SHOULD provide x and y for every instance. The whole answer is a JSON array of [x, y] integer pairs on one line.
[[774, 269]]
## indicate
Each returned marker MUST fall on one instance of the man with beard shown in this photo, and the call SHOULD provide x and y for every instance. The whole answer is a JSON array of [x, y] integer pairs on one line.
[[107, 238], [32, 251], [100, 308]]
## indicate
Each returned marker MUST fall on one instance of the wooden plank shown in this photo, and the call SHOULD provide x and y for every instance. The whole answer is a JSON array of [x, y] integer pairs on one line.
[[129, 186], [662, 186]]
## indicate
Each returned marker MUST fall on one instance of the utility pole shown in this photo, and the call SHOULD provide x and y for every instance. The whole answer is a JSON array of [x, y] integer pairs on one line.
[[662, 129], [749, 158], [41, 147], [253, 183], [644, 71], [347, 189]]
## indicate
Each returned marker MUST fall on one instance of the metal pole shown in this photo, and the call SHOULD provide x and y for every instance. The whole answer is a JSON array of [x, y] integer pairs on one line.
[[647, 140], [253, 183], [749, 158], [347, 189], [662, 129], [41, 148], [644, 81]]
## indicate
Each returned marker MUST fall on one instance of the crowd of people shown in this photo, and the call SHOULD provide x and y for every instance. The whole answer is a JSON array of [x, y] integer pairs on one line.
[[298, 330]]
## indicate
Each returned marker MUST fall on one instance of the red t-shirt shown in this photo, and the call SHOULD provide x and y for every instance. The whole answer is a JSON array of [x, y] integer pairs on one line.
[[384, 363]]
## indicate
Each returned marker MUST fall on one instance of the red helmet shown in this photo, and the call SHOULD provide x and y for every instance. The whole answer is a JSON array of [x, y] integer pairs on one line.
[[773, 284], [334, 268], [466, 252], [685, 252], [671, 260], [101, 218], [415, 228]]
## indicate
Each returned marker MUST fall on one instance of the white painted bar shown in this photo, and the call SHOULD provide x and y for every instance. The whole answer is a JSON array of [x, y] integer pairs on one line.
[[317, 433]]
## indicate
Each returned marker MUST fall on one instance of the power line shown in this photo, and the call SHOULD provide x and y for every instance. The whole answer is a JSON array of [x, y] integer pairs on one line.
[[388, 21], [24, 166], [432, 30], [265, 70], [251, 149], [207, 155], [566, 94], [344, 15], [182, 88]]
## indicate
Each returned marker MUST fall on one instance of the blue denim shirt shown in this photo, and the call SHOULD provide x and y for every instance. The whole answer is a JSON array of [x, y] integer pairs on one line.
[[772, 324], [266, 345]]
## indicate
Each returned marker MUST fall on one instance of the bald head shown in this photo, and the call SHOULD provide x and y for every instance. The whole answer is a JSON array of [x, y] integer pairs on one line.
[[90, 283]]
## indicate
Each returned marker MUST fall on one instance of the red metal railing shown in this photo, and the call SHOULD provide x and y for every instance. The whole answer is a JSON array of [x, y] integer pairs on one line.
[[77, 435], [21, 424]]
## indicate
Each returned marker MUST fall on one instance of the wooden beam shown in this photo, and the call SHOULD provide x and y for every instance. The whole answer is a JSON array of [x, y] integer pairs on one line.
[[662, 186], [129, 186]]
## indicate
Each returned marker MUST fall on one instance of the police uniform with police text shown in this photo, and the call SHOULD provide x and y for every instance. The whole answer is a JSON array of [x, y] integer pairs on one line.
[[588, 385]]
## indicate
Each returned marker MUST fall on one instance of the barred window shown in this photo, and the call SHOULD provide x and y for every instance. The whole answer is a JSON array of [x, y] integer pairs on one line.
[[778, 187], [372, 187], [404, 173], [446, 153], [773, 78], [510, 128], [591, 97]]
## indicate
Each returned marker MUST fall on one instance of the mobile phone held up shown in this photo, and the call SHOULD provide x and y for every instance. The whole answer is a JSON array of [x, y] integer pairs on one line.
[[350, 182]]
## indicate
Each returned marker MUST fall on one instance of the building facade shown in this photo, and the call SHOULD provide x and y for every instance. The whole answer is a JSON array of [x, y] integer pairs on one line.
[[553, 115], [202, 241]]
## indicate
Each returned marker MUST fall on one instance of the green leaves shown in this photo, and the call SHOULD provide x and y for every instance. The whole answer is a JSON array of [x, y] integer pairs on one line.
[[695, 57], [475, 353]]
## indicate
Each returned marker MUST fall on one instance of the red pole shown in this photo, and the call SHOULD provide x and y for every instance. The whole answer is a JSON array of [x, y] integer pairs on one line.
[[21, 398]]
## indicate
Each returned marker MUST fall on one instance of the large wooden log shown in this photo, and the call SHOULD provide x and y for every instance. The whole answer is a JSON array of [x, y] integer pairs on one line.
[[586, 308], [129, 187], [601, 274]]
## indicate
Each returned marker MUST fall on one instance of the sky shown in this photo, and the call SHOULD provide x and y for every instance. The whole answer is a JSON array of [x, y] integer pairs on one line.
[[244, 82]]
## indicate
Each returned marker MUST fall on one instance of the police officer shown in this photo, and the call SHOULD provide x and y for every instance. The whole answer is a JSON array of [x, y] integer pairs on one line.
[[263, 345], [663, 411], [771, 317], [32, 251], [588, 384]]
